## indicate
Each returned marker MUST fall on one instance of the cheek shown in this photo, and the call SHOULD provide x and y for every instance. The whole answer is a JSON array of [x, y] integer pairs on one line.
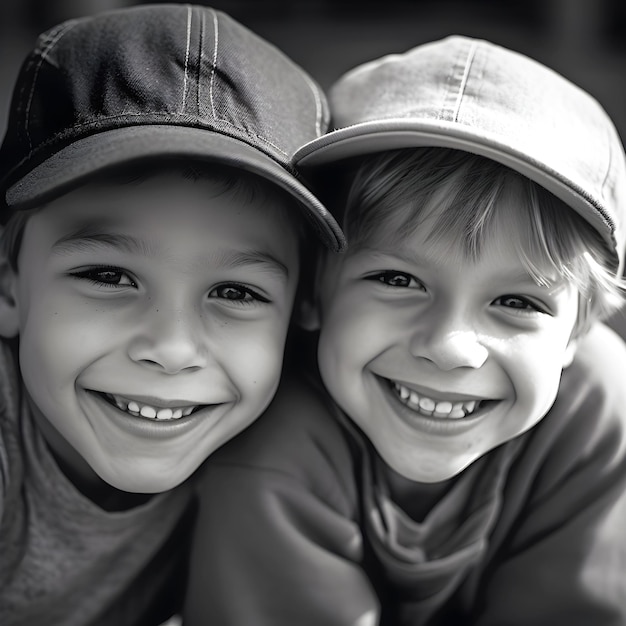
[[351, 337], [60, 336], [253, 358], [354, 332]]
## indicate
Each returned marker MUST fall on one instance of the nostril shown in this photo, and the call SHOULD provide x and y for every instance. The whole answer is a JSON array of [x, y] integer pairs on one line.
[[149, 362]]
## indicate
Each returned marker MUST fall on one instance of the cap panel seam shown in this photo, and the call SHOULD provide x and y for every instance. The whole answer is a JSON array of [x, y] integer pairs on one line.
[[603, 212], [211, 92], [318, 106], [468, 66], [184, 100], [42, 57], [609, 164]]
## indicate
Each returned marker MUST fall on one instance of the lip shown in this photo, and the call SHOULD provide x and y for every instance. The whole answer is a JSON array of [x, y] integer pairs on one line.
[[147, 428], [431, 425]]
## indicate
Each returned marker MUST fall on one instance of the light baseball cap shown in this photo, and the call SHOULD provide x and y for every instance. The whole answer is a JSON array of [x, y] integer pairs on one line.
[[167, 80], [472, 95]]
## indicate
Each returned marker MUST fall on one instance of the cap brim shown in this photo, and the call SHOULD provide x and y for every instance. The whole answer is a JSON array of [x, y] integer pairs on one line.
[[378, 136], [90, 155]]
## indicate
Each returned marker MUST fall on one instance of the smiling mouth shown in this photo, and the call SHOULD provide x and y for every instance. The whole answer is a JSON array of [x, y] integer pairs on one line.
[[440, 409], [140, 409]]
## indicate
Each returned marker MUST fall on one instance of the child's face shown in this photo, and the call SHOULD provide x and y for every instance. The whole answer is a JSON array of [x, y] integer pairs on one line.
[[439, 359], [162, 297]]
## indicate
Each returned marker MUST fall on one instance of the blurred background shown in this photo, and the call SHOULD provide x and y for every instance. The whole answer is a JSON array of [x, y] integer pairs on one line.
[[585, 40]]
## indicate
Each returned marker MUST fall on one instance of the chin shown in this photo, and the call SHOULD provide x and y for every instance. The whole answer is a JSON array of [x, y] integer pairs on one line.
[[433, 472], [147, 483]]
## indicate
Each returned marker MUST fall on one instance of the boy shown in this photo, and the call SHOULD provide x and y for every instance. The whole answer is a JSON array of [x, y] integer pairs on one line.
[[149, 263], [469, 466]]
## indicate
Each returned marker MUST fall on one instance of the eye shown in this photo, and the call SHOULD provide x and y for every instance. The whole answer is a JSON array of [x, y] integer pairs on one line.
[[106, 277], [518, 303], [393, 278], [234, 292]]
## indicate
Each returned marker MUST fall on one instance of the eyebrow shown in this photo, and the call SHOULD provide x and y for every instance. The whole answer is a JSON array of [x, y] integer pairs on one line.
[[92, 237], [89, 237], [244, 258]]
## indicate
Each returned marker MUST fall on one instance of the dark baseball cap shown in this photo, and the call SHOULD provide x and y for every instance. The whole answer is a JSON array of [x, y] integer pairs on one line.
[[472, 95], [167, 80]]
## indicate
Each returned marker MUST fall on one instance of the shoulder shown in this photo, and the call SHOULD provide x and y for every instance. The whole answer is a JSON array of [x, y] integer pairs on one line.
[[585, 430], [298, 436]]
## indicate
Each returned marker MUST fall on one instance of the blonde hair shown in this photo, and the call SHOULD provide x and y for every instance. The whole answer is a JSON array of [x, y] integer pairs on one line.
[[392, 194]]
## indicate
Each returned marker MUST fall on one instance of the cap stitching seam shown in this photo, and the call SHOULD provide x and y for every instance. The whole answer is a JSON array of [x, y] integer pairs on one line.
[[45, 51], [468, 64], [184, 101], [609, 164], [211, 95], [214, 65], [200, 60]]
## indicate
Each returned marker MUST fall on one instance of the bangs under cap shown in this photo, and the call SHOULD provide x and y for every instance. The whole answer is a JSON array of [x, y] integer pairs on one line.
[[471, 95], [168, 80]]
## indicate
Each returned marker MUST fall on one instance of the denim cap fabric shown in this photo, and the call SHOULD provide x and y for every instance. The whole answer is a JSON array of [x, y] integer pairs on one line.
[[166, 80], [472, 95]]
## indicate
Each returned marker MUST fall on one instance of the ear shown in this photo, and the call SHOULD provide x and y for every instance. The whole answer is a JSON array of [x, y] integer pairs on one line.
[[306, 315], [9, 313], [570, 352]]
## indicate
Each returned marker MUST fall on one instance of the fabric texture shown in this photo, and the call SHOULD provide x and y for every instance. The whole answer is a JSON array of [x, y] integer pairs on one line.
[[158, 81], [313, 528], [472, 95], [67, 562]]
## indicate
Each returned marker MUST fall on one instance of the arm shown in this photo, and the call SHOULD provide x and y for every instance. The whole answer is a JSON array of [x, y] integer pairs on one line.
[[275, 541]]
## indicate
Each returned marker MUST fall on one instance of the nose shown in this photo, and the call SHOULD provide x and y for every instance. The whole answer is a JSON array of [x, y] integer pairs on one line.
[[169, 340], [449, 344]]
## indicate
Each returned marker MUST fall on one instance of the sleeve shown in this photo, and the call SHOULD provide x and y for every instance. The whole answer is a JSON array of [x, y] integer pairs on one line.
[[275, 542], [559, 554], [10, 453]]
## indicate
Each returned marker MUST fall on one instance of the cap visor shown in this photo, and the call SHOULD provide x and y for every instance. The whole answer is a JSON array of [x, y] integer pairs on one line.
[[378, 136], [90, 155]]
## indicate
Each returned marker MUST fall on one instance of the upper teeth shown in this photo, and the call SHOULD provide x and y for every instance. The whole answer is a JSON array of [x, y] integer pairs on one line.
[[434, 408], [145, 410]]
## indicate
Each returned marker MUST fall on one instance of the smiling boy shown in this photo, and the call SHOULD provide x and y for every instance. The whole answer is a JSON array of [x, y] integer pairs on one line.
[[461, 457], [149, 264], [158, 314], [460, 356]]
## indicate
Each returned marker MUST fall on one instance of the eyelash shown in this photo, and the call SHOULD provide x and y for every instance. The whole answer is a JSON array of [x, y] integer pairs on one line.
[[385, 277], [255, 296], [91, 274], [528, 308]]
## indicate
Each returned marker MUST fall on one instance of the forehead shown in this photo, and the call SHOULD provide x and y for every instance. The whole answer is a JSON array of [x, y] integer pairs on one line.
[[164, 215]]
